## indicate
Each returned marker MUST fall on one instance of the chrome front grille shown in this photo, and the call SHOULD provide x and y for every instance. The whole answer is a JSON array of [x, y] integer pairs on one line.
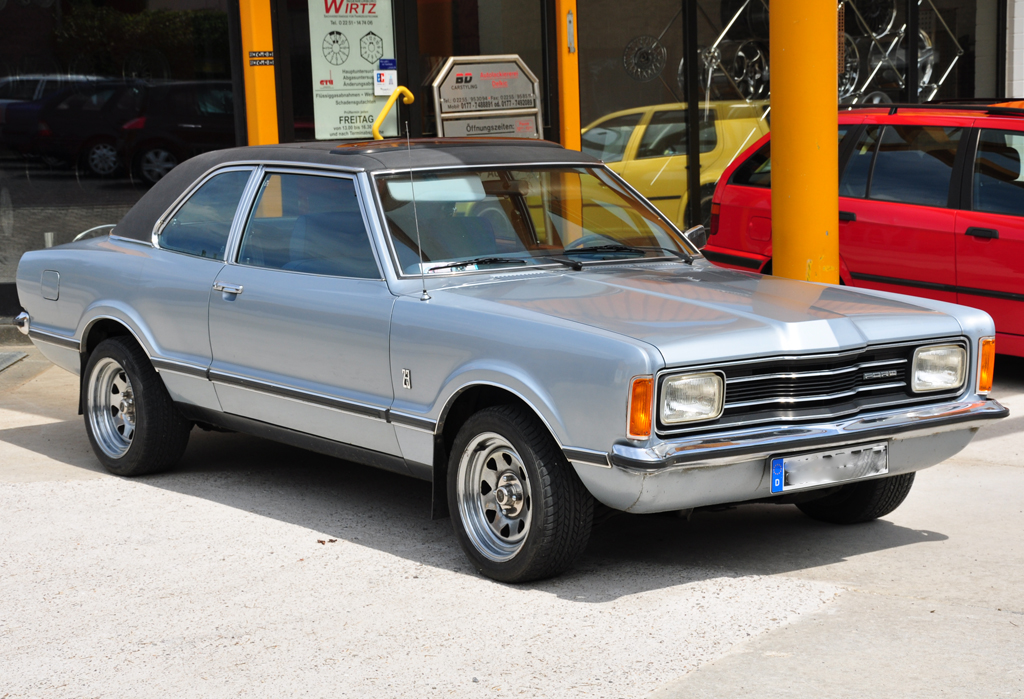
[[796, 389]]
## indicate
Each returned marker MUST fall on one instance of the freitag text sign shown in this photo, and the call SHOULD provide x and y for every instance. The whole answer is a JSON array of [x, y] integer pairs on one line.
[[347, 42], [487, 96]]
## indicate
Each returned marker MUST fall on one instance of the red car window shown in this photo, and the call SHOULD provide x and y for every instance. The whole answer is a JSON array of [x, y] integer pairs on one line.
[[998, 188], [914, 164]]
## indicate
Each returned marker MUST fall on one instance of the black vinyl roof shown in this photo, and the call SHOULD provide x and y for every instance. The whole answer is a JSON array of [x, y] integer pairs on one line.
[[369, 156]]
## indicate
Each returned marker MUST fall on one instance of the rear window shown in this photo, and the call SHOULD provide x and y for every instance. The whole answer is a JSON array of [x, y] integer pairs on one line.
[[608, 140], [757, 170], [665, 135]]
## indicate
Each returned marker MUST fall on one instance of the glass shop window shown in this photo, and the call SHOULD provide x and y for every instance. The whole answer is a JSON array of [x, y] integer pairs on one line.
[[608, 139], [201, 226], [998, 186], [914, 165], [309, 223]]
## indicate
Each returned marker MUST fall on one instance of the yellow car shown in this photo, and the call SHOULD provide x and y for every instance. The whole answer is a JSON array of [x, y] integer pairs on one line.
[[647, 146]]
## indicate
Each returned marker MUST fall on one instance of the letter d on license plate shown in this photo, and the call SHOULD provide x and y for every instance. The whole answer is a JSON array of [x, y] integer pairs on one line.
[[827, 467]]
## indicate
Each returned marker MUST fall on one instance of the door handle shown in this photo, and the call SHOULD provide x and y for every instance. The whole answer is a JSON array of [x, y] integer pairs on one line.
[[982, 232], [847, 216], [190, 126], [227, 288]]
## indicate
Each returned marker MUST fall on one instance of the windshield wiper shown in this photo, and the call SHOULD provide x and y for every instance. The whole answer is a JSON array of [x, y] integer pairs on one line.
[[481, 261], [643, 249]]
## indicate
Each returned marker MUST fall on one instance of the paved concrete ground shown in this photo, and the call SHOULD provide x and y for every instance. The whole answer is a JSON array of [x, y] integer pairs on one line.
[[211, 580]]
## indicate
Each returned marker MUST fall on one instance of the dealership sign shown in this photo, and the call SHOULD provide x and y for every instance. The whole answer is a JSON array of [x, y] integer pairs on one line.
[[487, 96], [348, 41]]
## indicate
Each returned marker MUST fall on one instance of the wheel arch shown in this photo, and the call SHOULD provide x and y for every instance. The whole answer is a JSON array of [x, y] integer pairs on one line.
[[99, 328], [463, 403]]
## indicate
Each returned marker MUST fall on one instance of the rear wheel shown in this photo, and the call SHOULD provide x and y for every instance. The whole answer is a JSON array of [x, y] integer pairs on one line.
[[131, 421], [100, 158], [860, 502], [154, 162], [519, 510]]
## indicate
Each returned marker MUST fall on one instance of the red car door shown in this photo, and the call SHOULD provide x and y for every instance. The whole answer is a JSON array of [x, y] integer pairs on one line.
[[896, 227], [990, 231]]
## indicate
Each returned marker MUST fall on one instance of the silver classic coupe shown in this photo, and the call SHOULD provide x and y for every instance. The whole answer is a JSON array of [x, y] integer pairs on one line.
[[508, 320]]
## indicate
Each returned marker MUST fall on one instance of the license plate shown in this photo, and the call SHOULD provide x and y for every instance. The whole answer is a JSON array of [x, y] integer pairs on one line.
[[826, 467]]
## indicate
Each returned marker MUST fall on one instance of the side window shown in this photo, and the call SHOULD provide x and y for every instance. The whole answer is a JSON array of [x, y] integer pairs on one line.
[[665, 135], [854, 182], [309, 223], [211, 100], [998, 188], [914, 164], [608, 140], [201, 226], [756, 171]]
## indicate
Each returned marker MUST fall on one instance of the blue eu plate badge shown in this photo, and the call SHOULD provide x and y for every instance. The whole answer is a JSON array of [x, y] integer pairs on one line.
[[778, 475]]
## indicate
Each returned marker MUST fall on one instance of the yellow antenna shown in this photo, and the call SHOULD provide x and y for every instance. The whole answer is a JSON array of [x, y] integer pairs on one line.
[[407, 98]]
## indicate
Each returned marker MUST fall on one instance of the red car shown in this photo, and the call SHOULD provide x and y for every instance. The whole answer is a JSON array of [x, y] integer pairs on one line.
[[931, 203]]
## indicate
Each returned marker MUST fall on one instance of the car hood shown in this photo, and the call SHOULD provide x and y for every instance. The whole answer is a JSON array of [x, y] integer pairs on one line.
[[705, 313]]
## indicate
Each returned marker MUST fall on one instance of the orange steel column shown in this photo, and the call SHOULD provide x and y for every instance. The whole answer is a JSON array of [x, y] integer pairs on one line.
[[568, 74], [258, 71], [805, 152]]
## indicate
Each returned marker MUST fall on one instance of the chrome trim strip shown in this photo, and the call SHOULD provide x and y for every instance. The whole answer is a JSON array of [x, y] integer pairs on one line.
[[413, 421], [180, 368], [822, 396], [727, 447], [808, 374], [114, 236], [53, 339], [298, 394], [587, 456]]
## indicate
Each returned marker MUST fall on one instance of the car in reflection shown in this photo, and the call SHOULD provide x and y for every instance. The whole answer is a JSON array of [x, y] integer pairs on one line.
[[77, 126], [647, 146], [34, 87], [507, 320], [931, 203], [176, 121]]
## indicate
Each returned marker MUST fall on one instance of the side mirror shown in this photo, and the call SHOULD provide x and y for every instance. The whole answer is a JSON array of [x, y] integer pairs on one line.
[[696, 236]]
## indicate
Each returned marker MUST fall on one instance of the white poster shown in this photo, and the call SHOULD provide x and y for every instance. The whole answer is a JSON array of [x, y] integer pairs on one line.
[[346, 42]]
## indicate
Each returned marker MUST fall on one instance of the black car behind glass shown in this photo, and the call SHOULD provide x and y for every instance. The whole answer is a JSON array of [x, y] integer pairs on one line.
[[178, 120]]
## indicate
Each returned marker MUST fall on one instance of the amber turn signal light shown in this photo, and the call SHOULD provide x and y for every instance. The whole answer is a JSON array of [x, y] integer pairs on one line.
[[986, 364], [641, 404]]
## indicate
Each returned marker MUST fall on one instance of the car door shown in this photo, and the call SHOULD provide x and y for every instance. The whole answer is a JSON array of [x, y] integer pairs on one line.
[[990, 228], [895, 222], [300, 318], [173, 293]]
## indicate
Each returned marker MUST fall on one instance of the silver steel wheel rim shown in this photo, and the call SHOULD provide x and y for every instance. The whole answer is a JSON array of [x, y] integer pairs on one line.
[[111, 408], [156, 163], [103, 159], [495, 499]]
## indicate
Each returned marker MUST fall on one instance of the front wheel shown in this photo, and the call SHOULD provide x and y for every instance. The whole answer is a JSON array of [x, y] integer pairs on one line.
[[131, 421], [860, 502], [519, 511]]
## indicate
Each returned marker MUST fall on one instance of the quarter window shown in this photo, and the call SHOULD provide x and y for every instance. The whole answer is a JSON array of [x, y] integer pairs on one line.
[[309, 223], [201, 226], [757, 170], [854, 182], [914, 164], [608, 140], [666, 135], [998, 187]]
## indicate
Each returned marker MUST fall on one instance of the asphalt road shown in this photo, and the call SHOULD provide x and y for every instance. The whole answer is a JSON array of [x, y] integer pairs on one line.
[[212, 580]]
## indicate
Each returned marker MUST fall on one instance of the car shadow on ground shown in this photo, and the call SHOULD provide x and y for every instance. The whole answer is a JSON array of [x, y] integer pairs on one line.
[[628, 554]]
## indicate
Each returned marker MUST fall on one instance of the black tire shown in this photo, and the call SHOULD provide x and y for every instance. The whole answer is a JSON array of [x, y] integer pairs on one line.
[[118, 370], [860, 502], [555, 505]]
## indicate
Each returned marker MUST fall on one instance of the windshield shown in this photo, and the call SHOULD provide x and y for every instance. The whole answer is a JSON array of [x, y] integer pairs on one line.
[[493, 218]]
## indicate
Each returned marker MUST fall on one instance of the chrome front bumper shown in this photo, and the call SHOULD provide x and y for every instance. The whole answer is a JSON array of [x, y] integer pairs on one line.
[[733, 466]]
